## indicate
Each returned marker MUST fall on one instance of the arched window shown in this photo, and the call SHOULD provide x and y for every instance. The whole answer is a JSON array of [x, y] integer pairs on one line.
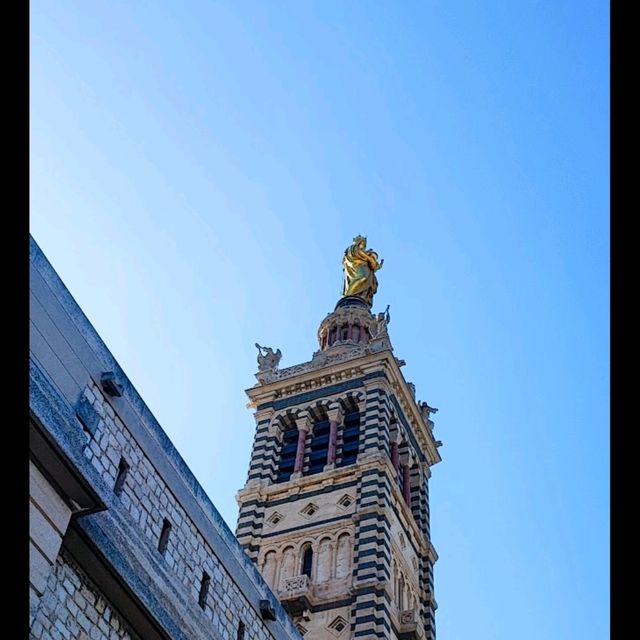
[[307, 560], [319, 444], [287, 449], [350, 440]]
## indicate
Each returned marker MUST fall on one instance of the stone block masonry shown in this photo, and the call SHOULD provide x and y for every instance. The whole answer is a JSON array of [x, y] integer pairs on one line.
[[140, 536], [73, 607]]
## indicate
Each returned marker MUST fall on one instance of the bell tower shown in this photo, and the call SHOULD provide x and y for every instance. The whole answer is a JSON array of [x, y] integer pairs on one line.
[[335, 511]]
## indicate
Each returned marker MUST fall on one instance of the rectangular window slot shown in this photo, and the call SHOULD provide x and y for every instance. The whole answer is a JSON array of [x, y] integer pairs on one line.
[[164, 536], [123, 469], [204, 589]]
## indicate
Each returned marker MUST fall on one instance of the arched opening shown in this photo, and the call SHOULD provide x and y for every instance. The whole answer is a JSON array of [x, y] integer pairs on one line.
[[320, 439], [307, 560], [349, 441], [288, 448]]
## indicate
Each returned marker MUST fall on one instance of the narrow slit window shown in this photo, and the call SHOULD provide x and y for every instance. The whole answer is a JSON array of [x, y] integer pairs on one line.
[[204, 589], [240, 634], [307, 561], [164, 536], [123, 470]]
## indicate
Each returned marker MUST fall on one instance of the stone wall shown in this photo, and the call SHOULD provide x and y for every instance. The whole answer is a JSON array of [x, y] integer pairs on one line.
[[48, 520], [73, 607], [149, 501], [105, 459]]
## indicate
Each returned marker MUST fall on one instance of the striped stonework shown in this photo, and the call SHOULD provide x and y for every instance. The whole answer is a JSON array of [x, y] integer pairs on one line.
[[375, 430], [325, 513], [264, 452]]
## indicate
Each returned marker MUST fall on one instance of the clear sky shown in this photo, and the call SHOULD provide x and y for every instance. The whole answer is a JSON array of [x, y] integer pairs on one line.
[[197, 169]]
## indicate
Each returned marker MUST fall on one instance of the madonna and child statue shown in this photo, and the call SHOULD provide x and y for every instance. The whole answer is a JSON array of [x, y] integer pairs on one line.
[[360, 265]]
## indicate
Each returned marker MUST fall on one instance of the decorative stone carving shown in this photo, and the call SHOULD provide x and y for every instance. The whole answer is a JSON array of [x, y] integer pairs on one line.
[[346, 333], [347, 325], [267, 359], [338, 626], [268, 362], [426, 410], [295, 585], [411, 625], [382, 321], [408, 616], [319, 360]]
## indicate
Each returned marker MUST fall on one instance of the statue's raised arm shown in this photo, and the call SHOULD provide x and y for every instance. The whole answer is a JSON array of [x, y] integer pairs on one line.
[[360, 265]]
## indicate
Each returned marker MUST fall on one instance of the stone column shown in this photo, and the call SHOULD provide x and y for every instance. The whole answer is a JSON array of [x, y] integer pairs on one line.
[[335, 418], [276, 573], [304, 426], [406, 484]]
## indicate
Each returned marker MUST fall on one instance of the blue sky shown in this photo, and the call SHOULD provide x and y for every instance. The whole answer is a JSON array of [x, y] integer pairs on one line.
[[198, 168]]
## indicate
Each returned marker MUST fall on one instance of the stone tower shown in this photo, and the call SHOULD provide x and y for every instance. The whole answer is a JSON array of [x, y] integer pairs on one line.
[[335, 511]]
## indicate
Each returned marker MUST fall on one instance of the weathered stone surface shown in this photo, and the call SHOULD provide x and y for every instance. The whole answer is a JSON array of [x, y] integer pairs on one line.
[[67, 358], [78, 613]]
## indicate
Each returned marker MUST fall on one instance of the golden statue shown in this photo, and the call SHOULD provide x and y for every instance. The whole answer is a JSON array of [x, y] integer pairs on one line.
[[360, 266]]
